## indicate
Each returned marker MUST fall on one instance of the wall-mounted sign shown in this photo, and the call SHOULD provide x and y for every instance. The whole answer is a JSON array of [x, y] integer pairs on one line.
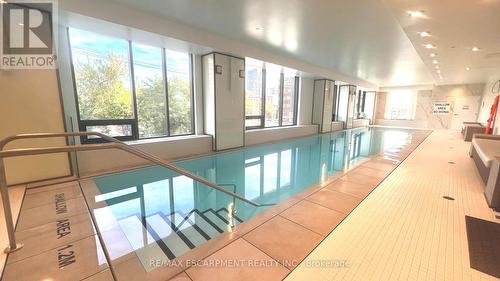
[[441, 108], [218, 69]]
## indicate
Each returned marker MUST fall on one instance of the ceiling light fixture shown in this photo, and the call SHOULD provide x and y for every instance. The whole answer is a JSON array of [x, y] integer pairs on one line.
[[430, 46], [436, 66], [416, 14], [424, 34], [21, 24], [432, 55], [435, 62], [475, 49], [467, 68], [438, 71]]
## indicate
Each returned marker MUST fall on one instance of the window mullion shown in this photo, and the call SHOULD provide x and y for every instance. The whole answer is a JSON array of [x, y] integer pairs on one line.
[[296, 99], [165, 82], [263, 123], [280, 110], [135, 128]]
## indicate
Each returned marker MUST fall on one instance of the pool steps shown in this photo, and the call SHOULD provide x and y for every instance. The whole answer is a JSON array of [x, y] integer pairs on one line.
[[177, 233]]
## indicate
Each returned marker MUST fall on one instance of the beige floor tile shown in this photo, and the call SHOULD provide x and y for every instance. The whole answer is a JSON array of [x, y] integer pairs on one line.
[[315, 217], [104, 275], [74, 261], [283, 240], [52, 235], [48, 197], [132, 269], [16, 194], [406, 230], [371, 172], [49, 213], [334, 200], [362, 179], [181, 277], [380, 165], [256, 265], [50, 187], [351, 188]]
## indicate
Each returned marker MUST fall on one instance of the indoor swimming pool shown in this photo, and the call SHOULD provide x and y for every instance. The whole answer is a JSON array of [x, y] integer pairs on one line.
[[162, 215]]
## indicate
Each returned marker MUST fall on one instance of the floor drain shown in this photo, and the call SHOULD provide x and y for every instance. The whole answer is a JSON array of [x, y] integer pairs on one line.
[[451, 162], [448, 198]]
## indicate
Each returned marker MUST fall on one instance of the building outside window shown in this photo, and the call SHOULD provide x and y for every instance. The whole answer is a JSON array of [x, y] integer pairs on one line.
[[130, 90], [271, 93]]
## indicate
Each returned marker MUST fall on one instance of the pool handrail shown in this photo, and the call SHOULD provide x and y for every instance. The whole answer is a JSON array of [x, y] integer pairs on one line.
[[113, 144]]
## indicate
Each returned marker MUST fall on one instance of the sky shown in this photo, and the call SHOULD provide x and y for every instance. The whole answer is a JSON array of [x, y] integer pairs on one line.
[[147, 59]]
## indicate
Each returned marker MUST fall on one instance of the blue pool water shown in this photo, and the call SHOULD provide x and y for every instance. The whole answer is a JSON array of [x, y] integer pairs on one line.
[[176, 210]]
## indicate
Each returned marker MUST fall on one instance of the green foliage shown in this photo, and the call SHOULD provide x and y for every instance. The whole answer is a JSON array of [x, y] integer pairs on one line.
[[103, 93], [179, 99]]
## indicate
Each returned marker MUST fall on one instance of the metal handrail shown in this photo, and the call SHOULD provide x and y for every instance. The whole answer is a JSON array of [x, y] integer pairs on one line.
[[115, 144]]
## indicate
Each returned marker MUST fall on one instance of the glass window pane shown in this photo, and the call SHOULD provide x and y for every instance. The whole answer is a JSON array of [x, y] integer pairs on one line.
[[253, 87], [273, 76], [150, 91], [102, 76], [400, 105], [124, 130], [253, 122], [179, 92], [288, 98], [343, 103]]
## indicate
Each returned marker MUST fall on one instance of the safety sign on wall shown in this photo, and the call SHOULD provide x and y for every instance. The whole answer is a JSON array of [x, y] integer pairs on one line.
[[441, 108]]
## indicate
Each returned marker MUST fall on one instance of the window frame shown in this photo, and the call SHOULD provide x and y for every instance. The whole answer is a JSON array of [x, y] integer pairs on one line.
[[133, 122], [262, 115]]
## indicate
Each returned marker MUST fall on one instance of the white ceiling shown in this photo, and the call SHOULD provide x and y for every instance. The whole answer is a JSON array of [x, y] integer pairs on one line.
[[361, 39], [456, 26], [370, 40]]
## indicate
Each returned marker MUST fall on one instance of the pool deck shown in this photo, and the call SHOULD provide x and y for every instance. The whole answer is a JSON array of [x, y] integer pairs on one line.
[[374, 222]]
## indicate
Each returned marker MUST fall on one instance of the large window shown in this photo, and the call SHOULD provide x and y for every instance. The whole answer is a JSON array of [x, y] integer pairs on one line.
[[400, 105], [129, 90], [270, 95]]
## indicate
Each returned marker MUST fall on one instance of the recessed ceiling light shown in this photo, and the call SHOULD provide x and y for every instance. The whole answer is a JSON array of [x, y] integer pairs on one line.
[[467, 68], [21, 24], [475, 49], [416, 14], [435, 62], [424, 34], [432, 55], [436, 66], [438, 71], [430, 46]]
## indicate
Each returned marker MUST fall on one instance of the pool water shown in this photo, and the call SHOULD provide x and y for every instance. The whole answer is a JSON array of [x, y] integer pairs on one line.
[[178, 214]]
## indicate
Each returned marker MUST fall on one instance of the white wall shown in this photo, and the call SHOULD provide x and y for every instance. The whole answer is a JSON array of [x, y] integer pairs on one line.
[[276, 134], [424, 106], [487, 100], [305, 101], [30, 103], [91, 162]]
